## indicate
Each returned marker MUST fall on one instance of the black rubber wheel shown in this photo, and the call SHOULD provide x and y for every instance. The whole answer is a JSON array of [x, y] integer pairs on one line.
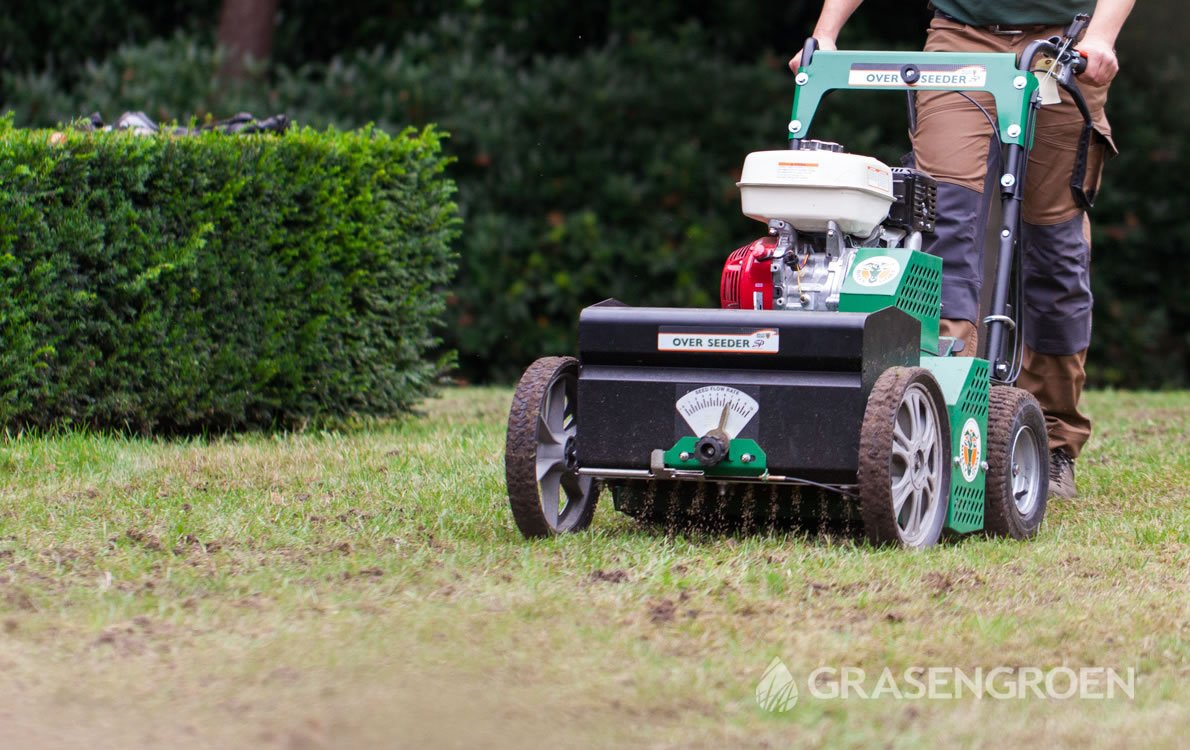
[[545, 490], [1018, 464], [904, 459]]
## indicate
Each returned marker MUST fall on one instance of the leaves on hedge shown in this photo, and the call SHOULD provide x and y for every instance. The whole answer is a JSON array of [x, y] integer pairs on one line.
[[216, 283]]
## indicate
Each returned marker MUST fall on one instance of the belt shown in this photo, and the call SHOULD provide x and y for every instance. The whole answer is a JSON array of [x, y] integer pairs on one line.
[[1001, 29]]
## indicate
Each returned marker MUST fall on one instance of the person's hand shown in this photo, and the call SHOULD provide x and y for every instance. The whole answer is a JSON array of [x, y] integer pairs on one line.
[[796, 62], [1102, 64]]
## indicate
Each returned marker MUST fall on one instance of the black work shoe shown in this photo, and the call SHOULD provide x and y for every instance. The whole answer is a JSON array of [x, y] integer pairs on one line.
[[1061, 475]]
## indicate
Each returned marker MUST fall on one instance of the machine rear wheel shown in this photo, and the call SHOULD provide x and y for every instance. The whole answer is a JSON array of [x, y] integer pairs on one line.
[[904, 459], [546, 492], [1018, 464]]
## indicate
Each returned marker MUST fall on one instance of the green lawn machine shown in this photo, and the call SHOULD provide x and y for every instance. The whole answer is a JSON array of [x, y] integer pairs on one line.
[[823, 375]]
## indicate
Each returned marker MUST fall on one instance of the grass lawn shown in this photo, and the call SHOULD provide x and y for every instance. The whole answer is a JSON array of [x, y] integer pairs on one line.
[[370, 590]]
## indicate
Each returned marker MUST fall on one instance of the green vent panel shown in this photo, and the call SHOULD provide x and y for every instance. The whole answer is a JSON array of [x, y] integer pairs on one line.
[[966, 509], [975, 397], [920, 295], [966, 388], [909, 280]]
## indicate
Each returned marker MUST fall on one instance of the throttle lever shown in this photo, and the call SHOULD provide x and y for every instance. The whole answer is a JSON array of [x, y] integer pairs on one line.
[[1076, 60], [1075, 30]]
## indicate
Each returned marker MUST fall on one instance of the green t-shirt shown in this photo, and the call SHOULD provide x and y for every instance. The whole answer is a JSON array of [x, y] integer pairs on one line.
[[1014, 12]]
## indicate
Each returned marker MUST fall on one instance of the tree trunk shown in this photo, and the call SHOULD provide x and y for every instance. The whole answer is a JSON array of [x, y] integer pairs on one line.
[[245, 31]]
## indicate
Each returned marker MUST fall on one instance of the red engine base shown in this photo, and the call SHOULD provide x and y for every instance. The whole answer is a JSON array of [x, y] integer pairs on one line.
[[747, 280]]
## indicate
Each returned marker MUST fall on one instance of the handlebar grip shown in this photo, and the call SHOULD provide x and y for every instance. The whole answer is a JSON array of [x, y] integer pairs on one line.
[[1079, 63], [808, 51]]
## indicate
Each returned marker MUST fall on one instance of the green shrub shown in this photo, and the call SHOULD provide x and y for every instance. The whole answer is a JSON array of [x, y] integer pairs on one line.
[[216, 282], [610, 172], [1141, 251], [60, 36]]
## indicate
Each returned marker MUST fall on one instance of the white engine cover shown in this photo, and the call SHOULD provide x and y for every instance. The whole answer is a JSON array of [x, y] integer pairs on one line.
[[810, 188]]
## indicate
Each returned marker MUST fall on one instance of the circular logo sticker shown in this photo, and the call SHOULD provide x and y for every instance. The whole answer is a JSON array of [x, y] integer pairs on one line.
[[970, 450], [876, 271]]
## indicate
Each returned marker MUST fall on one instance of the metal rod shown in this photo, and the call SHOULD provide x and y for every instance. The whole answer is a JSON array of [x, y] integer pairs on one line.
[[617, 473], [1010, 221], [698, 476]]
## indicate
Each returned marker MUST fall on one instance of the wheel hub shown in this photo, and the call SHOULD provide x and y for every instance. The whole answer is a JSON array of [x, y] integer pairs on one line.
[[915, 500], [1027, 465], [545, 490]]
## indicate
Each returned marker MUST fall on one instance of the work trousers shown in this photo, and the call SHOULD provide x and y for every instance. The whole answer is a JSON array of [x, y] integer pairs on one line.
[[953, 141]]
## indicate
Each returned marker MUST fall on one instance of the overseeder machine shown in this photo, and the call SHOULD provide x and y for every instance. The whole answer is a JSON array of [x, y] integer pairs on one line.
[[823, 375]]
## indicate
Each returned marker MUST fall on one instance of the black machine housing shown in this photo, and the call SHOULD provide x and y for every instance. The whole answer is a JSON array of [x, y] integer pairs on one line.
[[813, 390]]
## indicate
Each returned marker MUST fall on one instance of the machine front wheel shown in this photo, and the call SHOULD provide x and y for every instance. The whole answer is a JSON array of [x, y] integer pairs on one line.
[[1018, 464], [904, 459], [546, 492]]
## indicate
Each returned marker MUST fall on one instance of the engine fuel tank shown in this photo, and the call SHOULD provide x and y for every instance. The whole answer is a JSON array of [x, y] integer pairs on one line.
[[809, 188]]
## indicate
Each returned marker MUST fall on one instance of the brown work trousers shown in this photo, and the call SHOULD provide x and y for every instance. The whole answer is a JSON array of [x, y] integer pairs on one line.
[[952, 142]]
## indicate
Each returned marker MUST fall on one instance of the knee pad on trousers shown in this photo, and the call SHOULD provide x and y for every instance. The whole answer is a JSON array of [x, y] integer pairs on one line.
[[958, 241], [1057, 265]]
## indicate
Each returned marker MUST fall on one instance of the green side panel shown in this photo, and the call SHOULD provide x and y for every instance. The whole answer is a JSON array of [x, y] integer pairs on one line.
[[993, 72], [732, 466], [909, 280], [966, 388]]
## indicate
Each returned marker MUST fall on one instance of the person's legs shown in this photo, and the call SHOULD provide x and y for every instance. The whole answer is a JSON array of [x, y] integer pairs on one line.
[[953, 143], [1056, 258], [1059, 381], [961, 330], [1057, 325]]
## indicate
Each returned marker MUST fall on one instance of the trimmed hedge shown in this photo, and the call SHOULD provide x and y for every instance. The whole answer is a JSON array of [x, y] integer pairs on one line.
[[216, 282]]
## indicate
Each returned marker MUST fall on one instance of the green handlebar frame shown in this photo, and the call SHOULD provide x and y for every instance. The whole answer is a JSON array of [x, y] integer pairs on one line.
[[1013, 87], [994, 72]]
